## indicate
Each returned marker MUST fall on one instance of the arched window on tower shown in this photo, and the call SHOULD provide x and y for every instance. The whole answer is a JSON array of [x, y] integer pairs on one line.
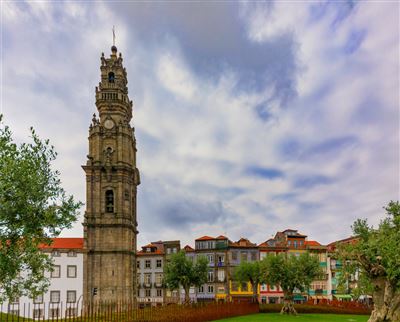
[[111, 77], [109, 201]]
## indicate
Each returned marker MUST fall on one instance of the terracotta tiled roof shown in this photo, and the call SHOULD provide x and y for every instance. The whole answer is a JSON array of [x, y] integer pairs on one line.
[[150, 246], [157, 249], [295, 230], [157, 252], [188, 249], [243, 242], [221, 237], [205, 238], [312, 243], [349, 240], [64, 243]]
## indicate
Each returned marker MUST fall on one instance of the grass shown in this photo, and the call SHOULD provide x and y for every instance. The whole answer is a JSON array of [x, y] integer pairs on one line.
[[276, 317]]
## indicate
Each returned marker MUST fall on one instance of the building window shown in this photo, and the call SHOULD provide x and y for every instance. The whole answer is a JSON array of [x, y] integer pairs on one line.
[[159, 263], [137, 264], [159, 293], [71, 271], [221, 260], [71, 253], [159, 279], [253, 256], [174, 250], [147, 263], [54, 313], [111, 77], [243, 256], [295, 244], [147, 279], [235, 286], [211, 276], [71, 312], [210, 258], [234, 256], [210, 289], [38, 313], [56, 271], [55, 253], [109, 201], [55, 296], [201, 289], [38, 299], [147, 293], [71, 296], [221, 275]]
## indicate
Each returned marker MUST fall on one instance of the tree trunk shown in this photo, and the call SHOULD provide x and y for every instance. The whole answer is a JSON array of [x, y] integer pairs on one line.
[[187, 297], [288, 307], [386, 301], [255, 297]]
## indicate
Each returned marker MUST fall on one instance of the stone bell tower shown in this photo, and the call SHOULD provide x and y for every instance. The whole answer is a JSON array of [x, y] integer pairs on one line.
[[109, 272]]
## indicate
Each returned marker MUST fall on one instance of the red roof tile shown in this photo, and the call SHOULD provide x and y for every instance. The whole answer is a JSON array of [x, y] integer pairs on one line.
[[188, 249], [64, 243], [142, 253], [221, 237], [312, 243], [205, 238]]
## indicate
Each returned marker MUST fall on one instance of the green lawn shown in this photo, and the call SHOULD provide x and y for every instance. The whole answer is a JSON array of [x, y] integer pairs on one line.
[[276, 317]]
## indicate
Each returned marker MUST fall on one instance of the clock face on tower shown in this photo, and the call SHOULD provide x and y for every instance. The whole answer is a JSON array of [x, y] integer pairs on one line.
[[109, 124]]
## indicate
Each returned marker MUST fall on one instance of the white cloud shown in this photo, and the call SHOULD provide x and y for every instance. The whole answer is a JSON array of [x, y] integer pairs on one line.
[[197, 134]]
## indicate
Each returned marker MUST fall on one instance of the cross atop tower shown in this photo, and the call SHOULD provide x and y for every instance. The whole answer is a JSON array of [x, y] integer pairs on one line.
[[113, 30]]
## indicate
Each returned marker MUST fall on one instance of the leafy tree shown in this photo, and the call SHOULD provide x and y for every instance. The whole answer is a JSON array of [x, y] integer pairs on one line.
[[33, 209], [249, 272], [290, 273], [181, 271], [376, 257]]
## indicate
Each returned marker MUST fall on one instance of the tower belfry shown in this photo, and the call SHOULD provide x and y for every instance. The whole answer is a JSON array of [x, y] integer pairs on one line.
[[111, 182]]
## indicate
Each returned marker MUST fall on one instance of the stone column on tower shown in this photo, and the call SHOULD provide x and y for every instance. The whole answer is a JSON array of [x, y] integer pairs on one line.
[[110, 226]]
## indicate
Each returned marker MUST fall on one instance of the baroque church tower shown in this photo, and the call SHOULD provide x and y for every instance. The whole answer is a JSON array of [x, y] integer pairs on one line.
[[111, 182]]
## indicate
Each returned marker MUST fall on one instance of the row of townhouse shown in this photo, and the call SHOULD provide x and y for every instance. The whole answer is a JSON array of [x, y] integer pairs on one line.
[[224, 255], [64, 296]]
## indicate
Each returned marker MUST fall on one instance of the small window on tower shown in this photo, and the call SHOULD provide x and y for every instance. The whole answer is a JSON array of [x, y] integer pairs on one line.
[[109, 201], [111, 77]]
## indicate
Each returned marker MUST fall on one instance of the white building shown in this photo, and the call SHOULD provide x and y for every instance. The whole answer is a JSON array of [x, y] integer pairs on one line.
[[64, 296]]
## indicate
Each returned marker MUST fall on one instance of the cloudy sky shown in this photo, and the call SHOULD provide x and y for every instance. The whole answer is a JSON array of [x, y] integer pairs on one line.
[[250, 117]]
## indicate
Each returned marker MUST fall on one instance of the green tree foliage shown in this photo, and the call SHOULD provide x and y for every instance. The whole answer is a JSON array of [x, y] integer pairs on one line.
[[181, 271], [249, 272], [290, 273], [376, 257], [33, 209]]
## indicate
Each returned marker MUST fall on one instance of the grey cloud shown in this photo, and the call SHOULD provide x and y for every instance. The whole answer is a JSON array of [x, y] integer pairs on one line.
[[213, 39]]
